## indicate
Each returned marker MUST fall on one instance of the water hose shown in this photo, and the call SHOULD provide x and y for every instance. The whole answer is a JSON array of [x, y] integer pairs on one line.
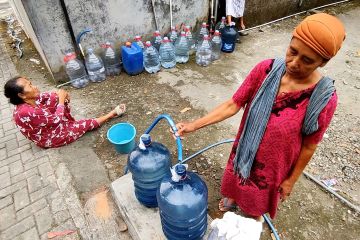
[[267, 220], [78, 39], [174, 129], [207, 148]]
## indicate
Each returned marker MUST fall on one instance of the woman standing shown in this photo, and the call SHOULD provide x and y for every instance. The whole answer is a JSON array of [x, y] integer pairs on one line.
[[236, 8], [288, 107]]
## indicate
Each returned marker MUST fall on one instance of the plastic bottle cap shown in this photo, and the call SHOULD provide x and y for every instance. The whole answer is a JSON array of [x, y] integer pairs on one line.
[[156, 33], [180, 170], [173, 28], [203, 24], [128, 44], [223, 18], [90, 50], [137, 37], [146, 139], [182, 34], [166, 40], [206, 37], [69, 56], [148, 44], [217, 33]]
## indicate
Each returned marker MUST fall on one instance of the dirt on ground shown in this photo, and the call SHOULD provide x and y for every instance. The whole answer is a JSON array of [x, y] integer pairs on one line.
[[310, 213]]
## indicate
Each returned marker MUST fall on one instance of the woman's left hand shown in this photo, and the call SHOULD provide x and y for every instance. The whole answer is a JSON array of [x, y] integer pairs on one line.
[[285, 189]]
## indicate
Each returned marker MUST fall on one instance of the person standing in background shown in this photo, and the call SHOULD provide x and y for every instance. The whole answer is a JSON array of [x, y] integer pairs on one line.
[[235, 8]]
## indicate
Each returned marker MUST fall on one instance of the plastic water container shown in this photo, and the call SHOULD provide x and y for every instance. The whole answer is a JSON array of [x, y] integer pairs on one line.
[[202, 32], [139, 42], [156, 42], [182, 198], [221, 25], [151, 58], [204, 52], [216, 44], [167, 54], [173, 35], [148, 166], [229, 35], [122, 136], [76, 71], [189, 36], [182, 49], [111, 61], [95, 66], [132, 58]]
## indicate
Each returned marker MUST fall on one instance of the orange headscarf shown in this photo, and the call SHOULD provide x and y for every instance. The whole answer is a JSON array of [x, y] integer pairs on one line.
[[321, 32]]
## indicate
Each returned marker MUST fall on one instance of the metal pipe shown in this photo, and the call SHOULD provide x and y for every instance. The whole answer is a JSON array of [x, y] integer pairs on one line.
[[171, 16], [154, 12], [212, 8], [216, 9], [295, 14], [342, 199]]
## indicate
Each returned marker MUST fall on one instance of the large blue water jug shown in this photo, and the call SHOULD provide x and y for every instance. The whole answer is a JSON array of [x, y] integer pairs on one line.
[[132, 58], [228, 37], [182, 198], [148, 163]]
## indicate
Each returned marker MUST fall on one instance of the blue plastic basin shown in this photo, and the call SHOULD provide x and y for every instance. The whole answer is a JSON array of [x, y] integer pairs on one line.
[[122, 136]]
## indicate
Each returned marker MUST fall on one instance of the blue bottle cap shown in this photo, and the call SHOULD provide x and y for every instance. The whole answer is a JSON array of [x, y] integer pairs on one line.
[[180, 170], [146, 139]]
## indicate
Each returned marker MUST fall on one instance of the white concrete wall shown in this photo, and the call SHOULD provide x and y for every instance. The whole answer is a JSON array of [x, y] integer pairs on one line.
[[121, 20]]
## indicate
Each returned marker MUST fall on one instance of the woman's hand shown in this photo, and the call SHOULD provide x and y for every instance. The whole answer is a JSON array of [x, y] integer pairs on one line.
[[285, 189], [185, 127]]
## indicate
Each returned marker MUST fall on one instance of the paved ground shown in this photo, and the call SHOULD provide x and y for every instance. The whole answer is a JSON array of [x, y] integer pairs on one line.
[[38, 193], [31, 201]]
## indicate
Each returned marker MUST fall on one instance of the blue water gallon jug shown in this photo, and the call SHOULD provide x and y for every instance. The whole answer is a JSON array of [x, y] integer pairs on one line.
[[228, 37], [148, 163], [132, 58], [182, 198]]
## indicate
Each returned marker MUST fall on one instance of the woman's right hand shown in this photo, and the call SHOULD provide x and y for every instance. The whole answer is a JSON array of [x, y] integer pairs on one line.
[[185, 127]]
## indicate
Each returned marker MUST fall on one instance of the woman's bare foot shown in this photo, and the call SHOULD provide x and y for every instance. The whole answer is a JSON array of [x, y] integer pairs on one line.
[[227, 204], [119, 110]]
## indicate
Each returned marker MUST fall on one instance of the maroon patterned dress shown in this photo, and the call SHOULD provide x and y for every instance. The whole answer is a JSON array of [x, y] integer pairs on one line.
[[279, 148], [50, 124]]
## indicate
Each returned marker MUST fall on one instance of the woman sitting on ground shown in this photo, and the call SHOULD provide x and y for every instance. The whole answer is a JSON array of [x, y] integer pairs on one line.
[[45, 118]]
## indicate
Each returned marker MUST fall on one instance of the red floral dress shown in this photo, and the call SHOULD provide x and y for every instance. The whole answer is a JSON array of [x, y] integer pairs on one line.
[[279, 148], [50, 124]]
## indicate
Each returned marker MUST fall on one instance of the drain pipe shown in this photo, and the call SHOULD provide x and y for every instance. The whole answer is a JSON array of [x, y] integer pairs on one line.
[[154, 12], [295, 14], [342, 199], [216, 9]]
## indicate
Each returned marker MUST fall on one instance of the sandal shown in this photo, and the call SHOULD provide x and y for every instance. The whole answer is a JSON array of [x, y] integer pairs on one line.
[[225, 206], [120, 110]]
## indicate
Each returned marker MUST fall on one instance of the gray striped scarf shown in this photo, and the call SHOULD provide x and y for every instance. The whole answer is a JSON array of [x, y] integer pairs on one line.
[[260, 110]]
